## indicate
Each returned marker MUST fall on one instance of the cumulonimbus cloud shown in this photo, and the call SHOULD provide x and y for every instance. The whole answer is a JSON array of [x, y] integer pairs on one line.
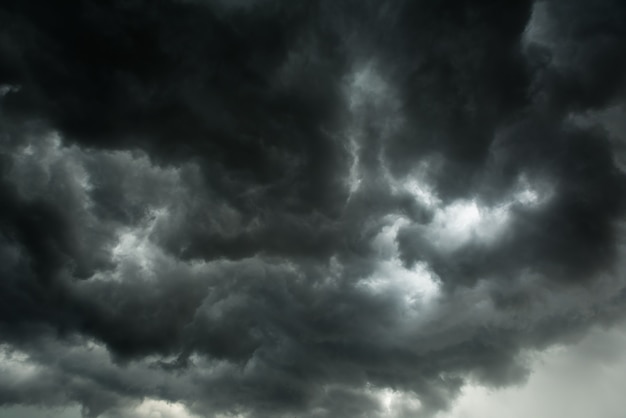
[[277, 208]]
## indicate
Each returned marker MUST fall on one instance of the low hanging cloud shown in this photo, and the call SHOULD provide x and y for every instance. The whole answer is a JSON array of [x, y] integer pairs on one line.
[[270, 208]]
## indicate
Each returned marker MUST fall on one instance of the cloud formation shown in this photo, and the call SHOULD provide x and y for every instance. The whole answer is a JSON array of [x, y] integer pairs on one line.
[[270, 208]]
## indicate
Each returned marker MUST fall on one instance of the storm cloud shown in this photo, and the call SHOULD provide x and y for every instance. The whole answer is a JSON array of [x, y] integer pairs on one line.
[[267, 208]]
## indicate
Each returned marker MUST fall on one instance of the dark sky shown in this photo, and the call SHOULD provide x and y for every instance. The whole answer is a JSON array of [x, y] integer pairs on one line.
[[325, 208]]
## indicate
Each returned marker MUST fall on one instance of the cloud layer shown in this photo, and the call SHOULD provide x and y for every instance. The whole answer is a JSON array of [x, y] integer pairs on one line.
[[269, 208]]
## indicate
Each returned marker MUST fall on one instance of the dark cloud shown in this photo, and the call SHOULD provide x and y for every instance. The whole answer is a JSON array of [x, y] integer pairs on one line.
[[575, 48], [275, 208]]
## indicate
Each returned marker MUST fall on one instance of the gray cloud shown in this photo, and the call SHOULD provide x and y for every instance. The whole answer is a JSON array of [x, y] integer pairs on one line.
[[324, 209], [580, 379]]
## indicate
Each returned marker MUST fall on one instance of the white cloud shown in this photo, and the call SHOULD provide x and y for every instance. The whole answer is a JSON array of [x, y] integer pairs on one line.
[[412, 286], [155, 408], [464, 221]]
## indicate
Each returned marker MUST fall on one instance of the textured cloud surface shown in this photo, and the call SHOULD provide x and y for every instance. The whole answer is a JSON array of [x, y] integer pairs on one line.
[[266, 208]]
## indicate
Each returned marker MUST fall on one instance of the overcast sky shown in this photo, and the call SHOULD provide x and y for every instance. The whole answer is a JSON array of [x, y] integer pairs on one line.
[[333, 208]]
